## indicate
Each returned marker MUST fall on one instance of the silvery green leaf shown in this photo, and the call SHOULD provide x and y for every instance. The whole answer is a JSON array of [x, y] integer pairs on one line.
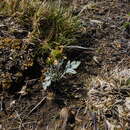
[[46, 84], [68, 65], [75, 64], [47, 77], [70, 71]]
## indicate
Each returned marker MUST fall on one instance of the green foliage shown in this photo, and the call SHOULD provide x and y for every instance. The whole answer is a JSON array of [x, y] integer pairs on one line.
[[127, 24], [12, 7], [128, 81], [56, 54], [48, 22], [54, 24]]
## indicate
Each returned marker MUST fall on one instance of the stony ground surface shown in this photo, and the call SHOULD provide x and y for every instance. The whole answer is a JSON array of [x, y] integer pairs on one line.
[[98, 97]]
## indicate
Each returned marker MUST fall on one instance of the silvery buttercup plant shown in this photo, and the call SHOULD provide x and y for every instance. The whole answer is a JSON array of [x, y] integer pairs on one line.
[[55, 73]]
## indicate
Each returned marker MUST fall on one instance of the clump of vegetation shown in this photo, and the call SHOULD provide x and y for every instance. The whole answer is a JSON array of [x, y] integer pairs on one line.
[[50, 28], [55, 24], [54, 27], [127, 25], [56, 72], [49, 23], [17, 6]]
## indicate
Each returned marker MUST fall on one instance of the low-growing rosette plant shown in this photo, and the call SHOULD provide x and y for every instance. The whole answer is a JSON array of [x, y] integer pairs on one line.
[[56, 72]]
